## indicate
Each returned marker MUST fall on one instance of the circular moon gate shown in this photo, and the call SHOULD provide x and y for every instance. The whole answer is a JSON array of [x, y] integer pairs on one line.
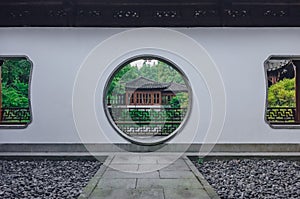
[[147, 99], [89, 115]]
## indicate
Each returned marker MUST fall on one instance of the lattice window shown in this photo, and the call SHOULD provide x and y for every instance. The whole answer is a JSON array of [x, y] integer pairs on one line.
[[14, 92], [283, 91], [156, 98]]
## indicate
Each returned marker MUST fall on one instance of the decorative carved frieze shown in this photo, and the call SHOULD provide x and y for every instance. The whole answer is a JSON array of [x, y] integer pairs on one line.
[[149, 13]]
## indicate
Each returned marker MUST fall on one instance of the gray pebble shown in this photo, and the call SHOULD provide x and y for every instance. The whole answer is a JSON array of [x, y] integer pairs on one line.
[[253, 178], [45, 179]]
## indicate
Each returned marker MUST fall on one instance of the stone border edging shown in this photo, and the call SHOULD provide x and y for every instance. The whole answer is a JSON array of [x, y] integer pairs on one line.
[[208, 188], [102, 148]]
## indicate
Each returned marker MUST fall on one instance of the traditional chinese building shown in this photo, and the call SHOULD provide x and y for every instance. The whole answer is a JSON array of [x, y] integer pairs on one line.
[[278, 70], [143, 91]]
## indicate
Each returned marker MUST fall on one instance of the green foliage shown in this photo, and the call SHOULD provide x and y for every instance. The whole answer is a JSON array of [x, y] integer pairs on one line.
[[175, 103], [183, 99], [117, 85], [15, 79], [13, 98], [282, 94], [166, 73], [200, 160], [139, 115]]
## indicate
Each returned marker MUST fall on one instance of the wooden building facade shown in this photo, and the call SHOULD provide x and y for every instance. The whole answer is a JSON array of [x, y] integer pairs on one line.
[[143, 91]]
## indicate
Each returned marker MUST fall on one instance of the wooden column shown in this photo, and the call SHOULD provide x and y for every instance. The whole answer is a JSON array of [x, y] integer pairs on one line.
[[152, 98], [297, 90], [159, 97], [134, 98], [126, 98]]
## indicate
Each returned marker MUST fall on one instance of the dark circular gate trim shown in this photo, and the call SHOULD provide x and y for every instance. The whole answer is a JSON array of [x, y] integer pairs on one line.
[[140, 141]]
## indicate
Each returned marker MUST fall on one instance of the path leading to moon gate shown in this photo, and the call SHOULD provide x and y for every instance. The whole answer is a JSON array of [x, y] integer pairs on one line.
[[137, 177]]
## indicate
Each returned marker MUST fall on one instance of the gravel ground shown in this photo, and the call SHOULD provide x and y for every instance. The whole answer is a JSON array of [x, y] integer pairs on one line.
[[45, 178], [250, 178]]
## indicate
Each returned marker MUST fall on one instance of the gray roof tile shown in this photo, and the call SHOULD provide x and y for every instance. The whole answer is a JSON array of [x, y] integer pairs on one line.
[[145, 83]]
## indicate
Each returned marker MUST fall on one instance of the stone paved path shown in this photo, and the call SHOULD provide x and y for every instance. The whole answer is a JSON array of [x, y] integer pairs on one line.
[[148, 177]]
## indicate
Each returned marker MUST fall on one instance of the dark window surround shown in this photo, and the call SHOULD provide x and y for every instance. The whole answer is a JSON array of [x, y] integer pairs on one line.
[[284, 117], [16, 117]]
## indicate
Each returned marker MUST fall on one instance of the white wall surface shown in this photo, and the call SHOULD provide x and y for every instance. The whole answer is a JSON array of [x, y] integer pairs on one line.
[[238, 53]]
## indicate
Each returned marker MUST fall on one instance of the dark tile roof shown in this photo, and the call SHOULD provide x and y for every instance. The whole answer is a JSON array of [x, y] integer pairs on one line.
[[175, 87], [138, 81], [273, 65], [155, 86], [147, 84]]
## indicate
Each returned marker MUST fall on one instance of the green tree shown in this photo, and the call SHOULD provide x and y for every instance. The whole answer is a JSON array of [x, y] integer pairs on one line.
[[183, 99], [175, 102], [15, 79], [282, 94], [124, 74]]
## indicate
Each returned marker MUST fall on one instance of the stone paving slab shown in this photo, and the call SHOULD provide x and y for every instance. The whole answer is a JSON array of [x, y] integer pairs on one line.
[[107, 183], [170, 160], [151, 167], [124, 167], [127, 194], [176, 167], [167, 179], [165, 174], [148, 159], [125, 159], [186, 194], [168, 183], [122, 175]]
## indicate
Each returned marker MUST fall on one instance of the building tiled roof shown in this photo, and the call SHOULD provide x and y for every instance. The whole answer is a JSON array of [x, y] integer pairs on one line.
[[273, 65], [175, 87], [155, 86], [145, 83]]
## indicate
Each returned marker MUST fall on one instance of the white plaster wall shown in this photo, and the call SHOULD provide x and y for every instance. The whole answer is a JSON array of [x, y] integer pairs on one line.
[[239, 53]]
